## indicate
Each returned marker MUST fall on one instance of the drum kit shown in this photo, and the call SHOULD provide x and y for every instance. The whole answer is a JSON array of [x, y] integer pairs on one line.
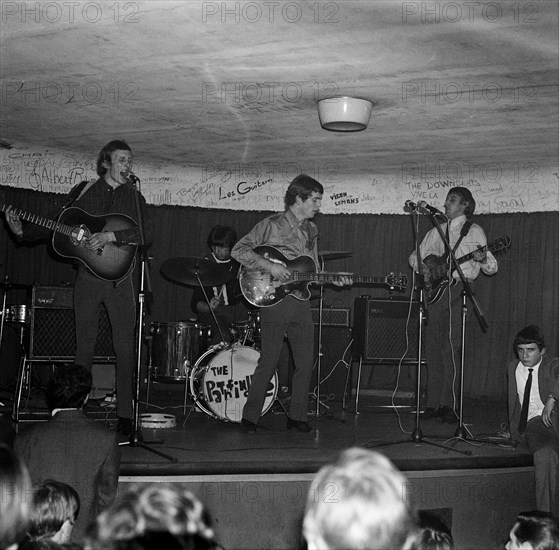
[[15, 316], [217, 377]]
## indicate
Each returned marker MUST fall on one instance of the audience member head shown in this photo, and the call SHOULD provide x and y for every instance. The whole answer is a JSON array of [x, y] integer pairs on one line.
[[433, 534], [69, 387], [16, 497], [534, 530], [302, 186], [529, 335], [359, 502], [55, 509], [156, 508]]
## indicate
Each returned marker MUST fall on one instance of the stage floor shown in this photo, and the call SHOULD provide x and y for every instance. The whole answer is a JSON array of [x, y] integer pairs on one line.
[[200, 444]]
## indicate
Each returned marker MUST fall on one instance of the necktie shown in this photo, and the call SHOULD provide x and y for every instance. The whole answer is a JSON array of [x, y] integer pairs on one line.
[[525, 404]]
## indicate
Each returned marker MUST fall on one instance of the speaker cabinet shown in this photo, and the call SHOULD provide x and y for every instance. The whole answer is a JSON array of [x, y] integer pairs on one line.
[[53, 329], [334, 361], [379, 329]]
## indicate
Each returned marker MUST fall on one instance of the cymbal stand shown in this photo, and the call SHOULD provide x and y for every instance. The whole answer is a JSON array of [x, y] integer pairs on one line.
[[2, 321], [136, 439]]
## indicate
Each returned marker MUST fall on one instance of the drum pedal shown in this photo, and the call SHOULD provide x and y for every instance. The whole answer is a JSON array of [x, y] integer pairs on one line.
[[109, 401]]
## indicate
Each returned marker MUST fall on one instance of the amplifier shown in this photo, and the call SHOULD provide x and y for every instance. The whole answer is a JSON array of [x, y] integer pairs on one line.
[[331, 317], [53, 297], [53, 330]]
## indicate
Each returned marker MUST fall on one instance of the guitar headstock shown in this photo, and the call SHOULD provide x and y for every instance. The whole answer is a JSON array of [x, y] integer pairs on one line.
[[396, 282], [502, 244]]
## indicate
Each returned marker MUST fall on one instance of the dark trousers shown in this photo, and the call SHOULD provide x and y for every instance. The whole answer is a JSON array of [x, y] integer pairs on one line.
[[120, 301], [443, 347], [293, 318], [544, 444]]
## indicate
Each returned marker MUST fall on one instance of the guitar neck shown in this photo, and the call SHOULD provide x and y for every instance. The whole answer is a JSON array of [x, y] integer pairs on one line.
[[40, 220], [326, 277]]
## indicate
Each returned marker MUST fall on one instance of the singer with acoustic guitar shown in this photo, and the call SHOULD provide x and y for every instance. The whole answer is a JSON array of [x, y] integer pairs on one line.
[[293, 234], [98, 227], [443, 332]]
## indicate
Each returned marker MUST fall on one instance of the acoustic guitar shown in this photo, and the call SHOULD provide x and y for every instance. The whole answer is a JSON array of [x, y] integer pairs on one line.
[[74, 226], [262, 290]]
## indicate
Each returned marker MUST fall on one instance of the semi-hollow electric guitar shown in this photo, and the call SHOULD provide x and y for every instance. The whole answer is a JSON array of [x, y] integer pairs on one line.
[[261, 289], [74, 226], [439, 277]]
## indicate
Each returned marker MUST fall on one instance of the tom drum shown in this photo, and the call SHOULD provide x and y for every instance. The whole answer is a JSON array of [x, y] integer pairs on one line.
[[176, 347]]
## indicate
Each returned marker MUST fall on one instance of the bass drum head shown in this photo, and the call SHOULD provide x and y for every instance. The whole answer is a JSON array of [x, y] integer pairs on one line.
[[220, 381]]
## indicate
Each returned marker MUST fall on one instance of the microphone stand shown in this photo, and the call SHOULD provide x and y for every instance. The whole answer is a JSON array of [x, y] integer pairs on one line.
[[467, 292], [417, 434], [136, 439]]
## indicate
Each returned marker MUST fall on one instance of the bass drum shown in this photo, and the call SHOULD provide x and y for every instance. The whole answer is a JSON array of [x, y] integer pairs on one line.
[[220, 380]]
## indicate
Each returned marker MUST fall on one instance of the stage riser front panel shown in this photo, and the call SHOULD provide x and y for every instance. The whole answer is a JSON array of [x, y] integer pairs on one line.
[[265, 511]]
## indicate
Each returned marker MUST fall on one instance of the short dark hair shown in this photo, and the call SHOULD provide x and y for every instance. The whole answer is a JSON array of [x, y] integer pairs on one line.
[[466, 196], [222, 235], [105, 154], [529, 335], [68, 387], [540, 529], [302, 186]]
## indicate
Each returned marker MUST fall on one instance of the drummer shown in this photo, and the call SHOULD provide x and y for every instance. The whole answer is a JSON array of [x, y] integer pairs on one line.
[[226, 301]]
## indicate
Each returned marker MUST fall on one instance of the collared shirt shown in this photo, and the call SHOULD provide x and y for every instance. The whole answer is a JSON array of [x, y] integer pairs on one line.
[[535, 408], [282, 231], [433, 244]]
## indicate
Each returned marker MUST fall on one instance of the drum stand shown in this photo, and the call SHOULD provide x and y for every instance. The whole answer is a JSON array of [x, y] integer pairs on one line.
[[136, 439]]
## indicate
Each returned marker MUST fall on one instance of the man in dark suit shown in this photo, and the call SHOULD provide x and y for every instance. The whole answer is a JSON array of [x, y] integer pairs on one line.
[[533, 392], [72, 448]]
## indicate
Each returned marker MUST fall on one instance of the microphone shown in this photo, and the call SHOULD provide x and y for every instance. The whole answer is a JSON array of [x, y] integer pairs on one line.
[[130, 176], [410, 206], [431, 209]]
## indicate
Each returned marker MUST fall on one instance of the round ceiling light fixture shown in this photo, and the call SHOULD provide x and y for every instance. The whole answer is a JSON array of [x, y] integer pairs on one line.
[[344, 113]]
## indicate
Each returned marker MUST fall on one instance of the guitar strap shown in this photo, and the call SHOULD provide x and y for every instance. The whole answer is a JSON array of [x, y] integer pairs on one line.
[[75, 193], [464, 231]]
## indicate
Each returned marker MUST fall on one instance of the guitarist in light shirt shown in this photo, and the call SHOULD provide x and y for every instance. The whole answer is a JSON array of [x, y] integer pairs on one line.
[[443, 332], [293, 234], [112, 193]]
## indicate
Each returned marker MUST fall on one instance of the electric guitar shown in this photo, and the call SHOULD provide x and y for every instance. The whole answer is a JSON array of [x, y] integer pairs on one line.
[[439, 277], [262, 290], [74, 226]]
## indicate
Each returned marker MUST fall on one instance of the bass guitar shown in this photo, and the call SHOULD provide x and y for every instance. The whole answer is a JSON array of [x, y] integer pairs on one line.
[[74, 226], [439, 277], [262, 290]]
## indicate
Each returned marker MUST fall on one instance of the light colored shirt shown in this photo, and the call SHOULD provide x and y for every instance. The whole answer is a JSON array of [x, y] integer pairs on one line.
[[535, 408], [282, 231], [433, 244]]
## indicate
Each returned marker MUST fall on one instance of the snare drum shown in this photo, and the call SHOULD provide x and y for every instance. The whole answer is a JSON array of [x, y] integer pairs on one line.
[[220, 381], [16, 314], [176, 347]]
